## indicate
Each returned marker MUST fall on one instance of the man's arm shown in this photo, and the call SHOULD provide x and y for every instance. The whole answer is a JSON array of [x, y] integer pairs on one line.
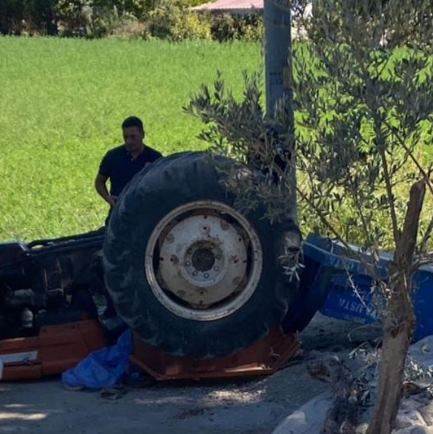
[[101, 188]]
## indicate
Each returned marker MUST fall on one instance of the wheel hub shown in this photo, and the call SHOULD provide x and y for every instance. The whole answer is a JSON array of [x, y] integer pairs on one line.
[[203, 259], [203, 262]]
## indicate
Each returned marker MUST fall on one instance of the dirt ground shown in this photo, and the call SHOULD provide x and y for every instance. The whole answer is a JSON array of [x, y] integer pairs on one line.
[[229, 407]]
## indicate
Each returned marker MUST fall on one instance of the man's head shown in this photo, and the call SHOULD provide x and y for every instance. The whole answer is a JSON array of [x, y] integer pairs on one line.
[[133, 133]]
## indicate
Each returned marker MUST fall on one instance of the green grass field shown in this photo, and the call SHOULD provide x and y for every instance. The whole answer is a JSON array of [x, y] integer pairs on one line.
[[61, 105]]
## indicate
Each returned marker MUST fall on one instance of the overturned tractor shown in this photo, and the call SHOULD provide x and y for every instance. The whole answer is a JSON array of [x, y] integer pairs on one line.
[[199, 282], [191, 275]]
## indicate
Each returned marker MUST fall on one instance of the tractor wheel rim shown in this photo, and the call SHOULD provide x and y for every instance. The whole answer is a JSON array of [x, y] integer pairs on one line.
[[203, 261]]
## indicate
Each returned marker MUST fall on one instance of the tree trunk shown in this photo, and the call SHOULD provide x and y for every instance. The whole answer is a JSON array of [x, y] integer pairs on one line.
[[398, 320]]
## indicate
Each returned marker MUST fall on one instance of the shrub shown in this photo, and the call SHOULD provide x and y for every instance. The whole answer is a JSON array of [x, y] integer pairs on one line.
[[72, 17], [11, 15], [251, 28], [227, 27], [27, 16], [135, 8], [92, 19], [131, 28], [223, 27], [173, 21]]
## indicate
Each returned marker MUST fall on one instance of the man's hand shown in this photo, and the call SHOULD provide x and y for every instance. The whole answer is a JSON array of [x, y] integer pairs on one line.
[[101, 188], [112, 200]]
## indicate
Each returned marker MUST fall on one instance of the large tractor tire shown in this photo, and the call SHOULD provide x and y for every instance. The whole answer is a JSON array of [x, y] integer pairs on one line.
[[186, 270]]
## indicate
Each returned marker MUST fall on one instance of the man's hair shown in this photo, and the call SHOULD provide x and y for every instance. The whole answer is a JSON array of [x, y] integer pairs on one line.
[[133, 121]]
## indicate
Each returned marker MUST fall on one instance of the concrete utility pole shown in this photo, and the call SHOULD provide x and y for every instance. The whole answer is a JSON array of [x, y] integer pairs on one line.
[[278, 49], [278, 72]]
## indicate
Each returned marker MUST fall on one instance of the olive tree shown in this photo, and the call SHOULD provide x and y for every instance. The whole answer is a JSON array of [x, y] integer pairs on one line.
[[365, 110], [363, 97]]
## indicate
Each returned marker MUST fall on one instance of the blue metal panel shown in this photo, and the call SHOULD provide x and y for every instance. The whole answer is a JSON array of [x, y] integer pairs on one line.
[[344, 302]]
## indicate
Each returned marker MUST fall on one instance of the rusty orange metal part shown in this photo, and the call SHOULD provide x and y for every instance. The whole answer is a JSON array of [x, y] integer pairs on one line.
[[262, 358], [56, 349]]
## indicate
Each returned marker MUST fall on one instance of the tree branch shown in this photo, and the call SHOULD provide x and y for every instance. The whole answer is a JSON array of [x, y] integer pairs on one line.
[[426, 237], [365, 225], [368, 265], [412, 157], [390, 197]]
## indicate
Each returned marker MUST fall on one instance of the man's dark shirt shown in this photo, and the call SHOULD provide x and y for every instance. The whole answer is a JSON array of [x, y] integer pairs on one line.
[[119, 166]]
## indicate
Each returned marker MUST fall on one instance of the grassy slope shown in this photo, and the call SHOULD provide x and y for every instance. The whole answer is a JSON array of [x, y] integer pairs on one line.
[[61, 104]]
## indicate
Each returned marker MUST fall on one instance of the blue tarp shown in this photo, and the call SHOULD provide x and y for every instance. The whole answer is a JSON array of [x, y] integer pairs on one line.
[[102, 369]]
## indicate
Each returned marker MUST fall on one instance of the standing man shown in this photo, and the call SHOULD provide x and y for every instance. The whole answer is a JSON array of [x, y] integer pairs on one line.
[[120, 164]]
